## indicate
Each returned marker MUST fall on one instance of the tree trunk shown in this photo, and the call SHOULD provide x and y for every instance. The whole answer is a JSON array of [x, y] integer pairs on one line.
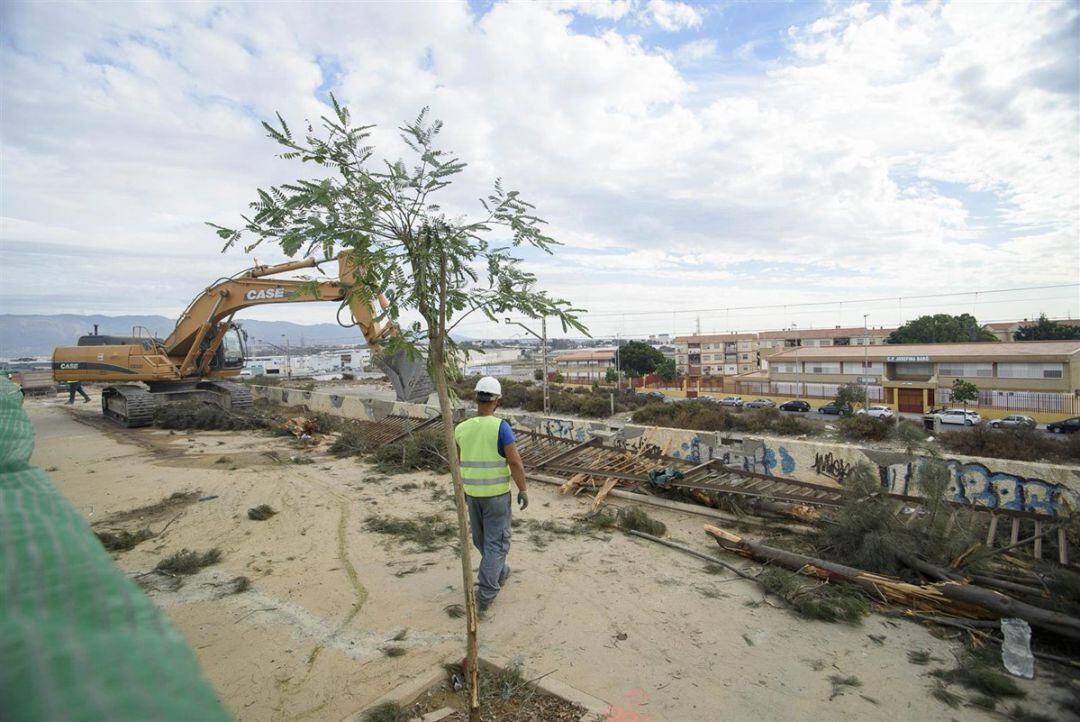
[[966, 595], [438, 370]]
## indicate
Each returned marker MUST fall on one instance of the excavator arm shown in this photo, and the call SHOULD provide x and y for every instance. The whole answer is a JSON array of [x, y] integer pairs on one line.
[[208, 316]]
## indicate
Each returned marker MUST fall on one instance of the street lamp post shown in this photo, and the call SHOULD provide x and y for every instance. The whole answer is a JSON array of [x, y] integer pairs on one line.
[[543, 350]]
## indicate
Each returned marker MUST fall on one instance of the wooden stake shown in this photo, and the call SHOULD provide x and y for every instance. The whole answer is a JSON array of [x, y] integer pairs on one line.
[[992, 531], [1038, 539]]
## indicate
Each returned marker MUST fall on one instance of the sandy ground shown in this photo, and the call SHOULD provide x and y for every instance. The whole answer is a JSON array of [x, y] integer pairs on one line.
[[636, 624]]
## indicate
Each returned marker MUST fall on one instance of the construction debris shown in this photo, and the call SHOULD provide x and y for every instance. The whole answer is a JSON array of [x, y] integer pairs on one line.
[[953, 598]]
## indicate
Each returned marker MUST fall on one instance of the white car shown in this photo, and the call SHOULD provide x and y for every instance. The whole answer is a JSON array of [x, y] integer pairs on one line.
[[958, 416], [878, 412], [735, 401]]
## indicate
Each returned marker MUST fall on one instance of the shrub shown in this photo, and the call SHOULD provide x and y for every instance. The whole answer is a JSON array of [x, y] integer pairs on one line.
[[425, 450], [200, 415], [1019, 444], [262, 512], [910, 432], [864, 428]]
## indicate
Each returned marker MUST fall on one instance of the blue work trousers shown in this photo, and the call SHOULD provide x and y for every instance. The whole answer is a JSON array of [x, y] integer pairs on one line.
[[489, 518]]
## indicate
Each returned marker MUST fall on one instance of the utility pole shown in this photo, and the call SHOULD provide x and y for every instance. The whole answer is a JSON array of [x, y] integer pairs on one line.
[[288, 357], [543, 331], [798, 368], [543, 350], [866, 354]]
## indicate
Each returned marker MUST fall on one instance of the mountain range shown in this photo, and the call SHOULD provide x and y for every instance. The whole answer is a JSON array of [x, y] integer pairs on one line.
[[33, 335]]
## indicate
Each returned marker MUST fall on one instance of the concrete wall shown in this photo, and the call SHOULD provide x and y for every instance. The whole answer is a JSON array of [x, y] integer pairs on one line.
[[994, 483]]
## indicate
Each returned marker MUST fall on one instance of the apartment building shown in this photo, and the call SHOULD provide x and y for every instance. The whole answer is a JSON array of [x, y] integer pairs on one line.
[[1032, 375], [585, 366], [1006, 330], [726, 354], [773, 342]]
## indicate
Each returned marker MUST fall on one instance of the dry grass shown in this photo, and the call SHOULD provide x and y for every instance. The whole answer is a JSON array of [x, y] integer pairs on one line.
[[262, 512], [428, 532], [187, 562], [387, 712], [123, 540]]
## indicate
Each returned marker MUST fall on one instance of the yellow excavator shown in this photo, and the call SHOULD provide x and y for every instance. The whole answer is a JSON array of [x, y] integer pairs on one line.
[[206, 348]]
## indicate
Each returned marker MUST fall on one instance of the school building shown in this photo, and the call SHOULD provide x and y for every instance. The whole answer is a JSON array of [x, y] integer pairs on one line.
[[1034, 376]]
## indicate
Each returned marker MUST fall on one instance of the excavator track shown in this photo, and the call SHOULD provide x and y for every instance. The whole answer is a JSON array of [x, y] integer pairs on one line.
[[130, 405], [239, 395]]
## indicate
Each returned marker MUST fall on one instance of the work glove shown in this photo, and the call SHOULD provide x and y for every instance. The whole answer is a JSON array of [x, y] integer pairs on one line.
[[523, 500]]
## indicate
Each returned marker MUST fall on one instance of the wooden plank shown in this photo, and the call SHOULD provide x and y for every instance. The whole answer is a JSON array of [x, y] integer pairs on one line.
[[568, 452], [992, 531], [609, 484], [1038, 540], [1063, 546], [1014, 535]]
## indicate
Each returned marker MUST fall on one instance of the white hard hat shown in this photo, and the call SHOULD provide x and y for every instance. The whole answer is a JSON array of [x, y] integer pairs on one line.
[[489, 386]]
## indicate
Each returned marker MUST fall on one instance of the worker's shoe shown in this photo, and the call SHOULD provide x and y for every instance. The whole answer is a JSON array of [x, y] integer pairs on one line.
[[483, 609], [69, 403], [86, 401]]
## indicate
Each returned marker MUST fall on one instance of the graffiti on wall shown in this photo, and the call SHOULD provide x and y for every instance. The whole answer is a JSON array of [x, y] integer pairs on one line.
[[974, 483], [832, 466]]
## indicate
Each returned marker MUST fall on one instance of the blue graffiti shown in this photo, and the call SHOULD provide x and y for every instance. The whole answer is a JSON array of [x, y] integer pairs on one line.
[[787, 463], [761, 461], [974, 483]]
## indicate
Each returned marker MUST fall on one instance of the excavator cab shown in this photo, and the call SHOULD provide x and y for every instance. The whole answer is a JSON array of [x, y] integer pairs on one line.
[[231, 354]]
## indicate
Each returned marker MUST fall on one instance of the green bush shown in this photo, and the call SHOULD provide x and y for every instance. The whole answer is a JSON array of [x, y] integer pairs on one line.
[[864, 428], [1019, 444], [425, 450]]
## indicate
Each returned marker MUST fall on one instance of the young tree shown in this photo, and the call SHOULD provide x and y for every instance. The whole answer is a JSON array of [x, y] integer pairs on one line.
[[611, 375], [1046, 330], [941, 328], [538, 374], [637, 358], [851, 394], [384, 216], [964, 392], [666, 370]]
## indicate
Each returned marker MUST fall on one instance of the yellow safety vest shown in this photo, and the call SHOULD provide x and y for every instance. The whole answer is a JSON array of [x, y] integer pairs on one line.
[[483, 471]]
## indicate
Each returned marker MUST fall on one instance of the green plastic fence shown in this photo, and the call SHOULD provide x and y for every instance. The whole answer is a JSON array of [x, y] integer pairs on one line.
[[78, 639]]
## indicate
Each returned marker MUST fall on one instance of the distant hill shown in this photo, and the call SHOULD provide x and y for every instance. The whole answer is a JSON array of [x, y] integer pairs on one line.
[[27, 335]]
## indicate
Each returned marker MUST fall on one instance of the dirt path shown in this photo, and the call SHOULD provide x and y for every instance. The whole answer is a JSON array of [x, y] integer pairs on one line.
[[636, 624]]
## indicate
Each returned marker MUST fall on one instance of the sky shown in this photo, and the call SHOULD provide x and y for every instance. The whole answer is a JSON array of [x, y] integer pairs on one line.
[[722, 166]]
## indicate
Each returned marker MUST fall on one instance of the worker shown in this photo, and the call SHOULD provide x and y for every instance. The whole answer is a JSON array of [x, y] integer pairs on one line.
[[489, 457], [76, 387]]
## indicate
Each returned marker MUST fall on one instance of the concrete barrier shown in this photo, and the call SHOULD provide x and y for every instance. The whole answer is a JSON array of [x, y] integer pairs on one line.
[[994, 483]]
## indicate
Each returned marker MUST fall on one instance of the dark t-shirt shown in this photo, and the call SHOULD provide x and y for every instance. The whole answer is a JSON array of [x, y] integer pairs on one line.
[[506, 436]]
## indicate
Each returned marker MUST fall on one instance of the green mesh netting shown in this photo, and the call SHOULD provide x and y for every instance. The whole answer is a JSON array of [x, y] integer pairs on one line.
[[78, 639]]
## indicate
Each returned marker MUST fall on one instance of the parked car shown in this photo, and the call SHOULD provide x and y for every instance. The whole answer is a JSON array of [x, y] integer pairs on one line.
[[1013, 421], [958, 416], [835, 409], [735, 401], [878, 412], [761, 404], [654, 395], [1068, 426], [795, 405]]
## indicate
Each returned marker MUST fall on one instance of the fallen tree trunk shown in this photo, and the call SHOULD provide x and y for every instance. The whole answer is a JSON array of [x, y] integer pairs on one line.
[[949, 596]]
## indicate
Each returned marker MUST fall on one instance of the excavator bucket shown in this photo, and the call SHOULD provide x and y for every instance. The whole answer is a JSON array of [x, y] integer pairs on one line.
[[409, 376]]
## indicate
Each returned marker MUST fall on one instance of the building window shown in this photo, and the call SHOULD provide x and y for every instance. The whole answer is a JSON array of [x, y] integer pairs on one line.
[[966, 370], [1030, 371], [822, 367]]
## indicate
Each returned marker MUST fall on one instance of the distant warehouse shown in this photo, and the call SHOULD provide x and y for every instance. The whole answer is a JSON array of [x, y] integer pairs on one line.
[[1032, 375]]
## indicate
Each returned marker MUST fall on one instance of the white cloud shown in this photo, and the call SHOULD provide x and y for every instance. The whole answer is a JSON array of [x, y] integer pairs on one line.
[[600, 9], [695, 51], [896, 150], [673, 16]]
